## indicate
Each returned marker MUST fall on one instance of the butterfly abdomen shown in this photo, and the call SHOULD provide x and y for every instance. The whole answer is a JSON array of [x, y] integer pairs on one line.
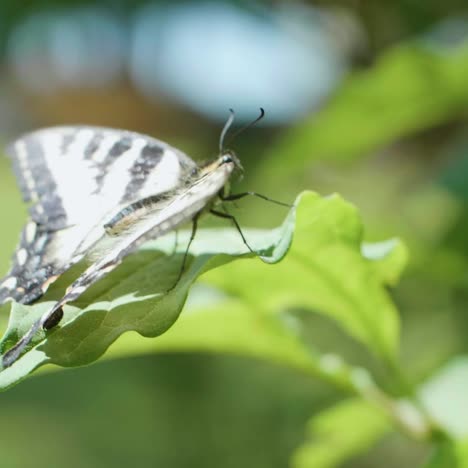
[[131, 214]]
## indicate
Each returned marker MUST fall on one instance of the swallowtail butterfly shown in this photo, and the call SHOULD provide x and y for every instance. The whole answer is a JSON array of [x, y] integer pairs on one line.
[[89, 186]]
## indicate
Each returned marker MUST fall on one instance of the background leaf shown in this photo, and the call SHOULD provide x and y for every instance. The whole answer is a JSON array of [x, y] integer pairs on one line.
[[449, 454], [409, 88], [446, 398], [339, 433]]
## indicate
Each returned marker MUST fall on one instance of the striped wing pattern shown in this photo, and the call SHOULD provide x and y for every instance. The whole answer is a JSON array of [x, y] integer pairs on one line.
[[76, 178], [182, 206]]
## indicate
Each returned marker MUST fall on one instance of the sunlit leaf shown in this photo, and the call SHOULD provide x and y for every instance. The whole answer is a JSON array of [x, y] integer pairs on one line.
[[388, 259], [324, 269], [445, 396]]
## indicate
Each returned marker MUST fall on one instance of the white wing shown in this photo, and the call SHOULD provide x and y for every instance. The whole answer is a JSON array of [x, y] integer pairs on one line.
[[166, 215], [77, 178]]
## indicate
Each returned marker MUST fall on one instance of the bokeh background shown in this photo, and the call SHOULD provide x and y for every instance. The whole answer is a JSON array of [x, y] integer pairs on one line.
[[368, 99]]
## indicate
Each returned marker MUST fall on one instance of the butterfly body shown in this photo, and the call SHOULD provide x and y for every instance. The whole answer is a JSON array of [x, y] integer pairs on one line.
[[96, 194], [95, 190]]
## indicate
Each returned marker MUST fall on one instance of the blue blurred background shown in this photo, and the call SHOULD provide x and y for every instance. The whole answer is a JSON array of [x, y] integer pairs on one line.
[[368, 99]]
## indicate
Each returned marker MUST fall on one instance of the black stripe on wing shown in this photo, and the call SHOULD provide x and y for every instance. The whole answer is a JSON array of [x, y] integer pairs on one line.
[[91, 147], [92, 152], [149, 158], [31, 271], [36, 179], [36, 182], [121, 146]]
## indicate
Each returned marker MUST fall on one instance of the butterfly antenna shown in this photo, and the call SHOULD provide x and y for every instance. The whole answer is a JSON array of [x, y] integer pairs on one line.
[[249, 125], [226, 128], [228, 125]]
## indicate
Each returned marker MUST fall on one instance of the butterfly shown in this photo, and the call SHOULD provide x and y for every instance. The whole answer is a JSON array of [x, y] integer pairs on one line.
[[96, 194]]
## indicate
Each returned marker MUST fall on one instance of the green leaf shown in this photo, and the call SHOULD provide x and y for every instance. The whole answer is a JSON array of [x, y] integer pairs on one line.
[[326, 271], [445, 396], [326, 261], [409, 88], [133, 297], [339, 433], [388, 259]]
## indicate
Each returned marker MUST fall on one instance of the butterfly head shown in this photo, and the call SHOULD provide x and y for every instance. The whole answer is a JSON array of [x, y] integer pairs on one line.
[[228, 157], [227, 162]]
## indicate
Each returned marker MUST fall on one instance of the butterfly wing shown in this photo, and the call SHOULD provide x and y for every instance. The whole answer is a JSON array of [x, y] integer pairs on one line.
[[75, 178], [167, 214]]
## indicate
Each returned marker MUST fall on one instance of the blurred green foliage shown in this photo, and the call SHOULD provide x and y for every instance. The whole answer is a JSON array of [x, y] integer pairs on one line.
[[400, 126], [330, 444], [409, 88]]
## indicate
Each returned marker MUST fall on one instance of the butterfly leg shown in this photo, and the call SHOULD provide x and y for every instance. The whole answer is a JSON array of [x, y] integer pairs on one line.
[[184, 260], [176, 242], [238, 196], [219, 214]]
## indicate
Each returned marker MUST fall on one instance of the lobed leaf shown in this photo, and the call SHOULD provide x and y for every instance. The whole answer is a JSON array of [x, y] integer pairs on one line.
[[325, 269]]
